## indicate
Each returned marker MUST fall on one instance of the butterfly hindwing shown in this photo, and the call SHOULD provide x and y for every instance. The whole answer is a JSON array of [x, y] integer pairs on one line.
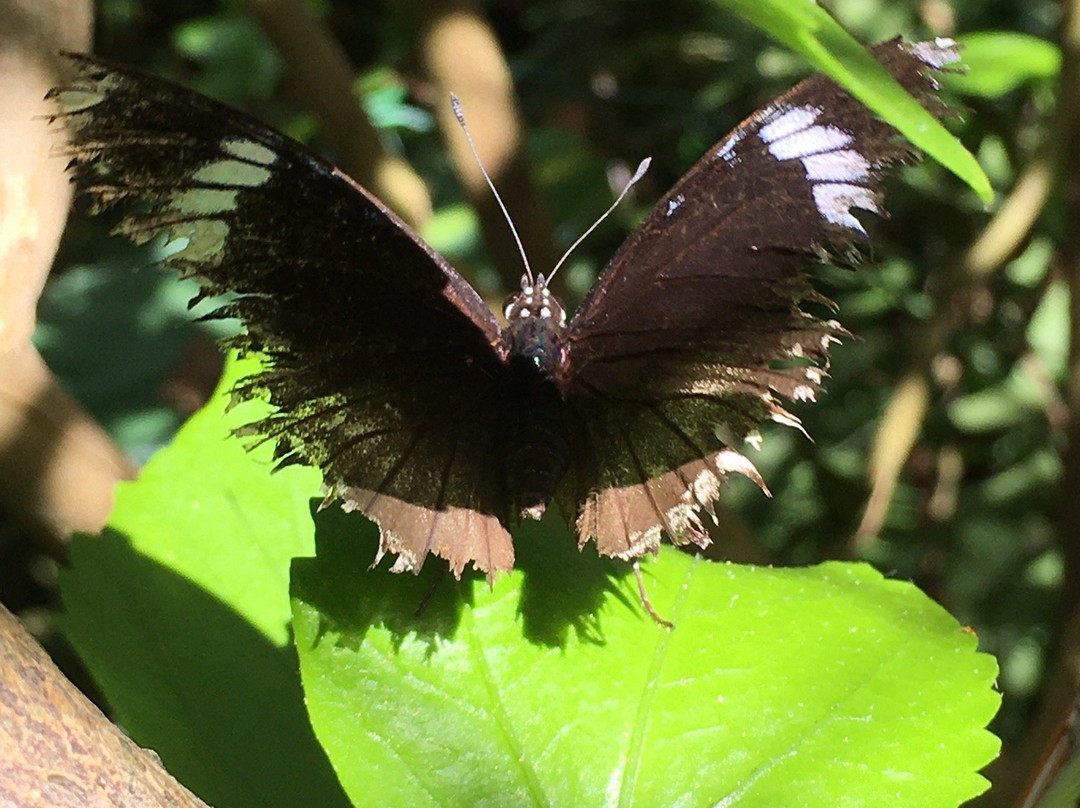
[[382, 363], [695, 331]]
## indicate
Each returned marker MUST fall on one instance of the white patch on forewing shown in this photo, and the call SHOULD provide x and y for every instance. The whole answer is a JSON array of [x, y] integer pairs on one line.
[[205, 233], [836, 173], [249, 150], [673, 204], [727, 151], [203, 201], [843, 165], [942, 51], [78, 98], [813, 140], [835, 200], [205, 239], [790, 121], [232, 172]]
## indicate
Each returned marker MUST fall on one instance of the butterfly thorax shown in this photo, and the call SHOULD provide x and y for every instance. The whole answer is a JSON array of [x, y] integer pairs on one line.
[[535, 322], [533, 430]]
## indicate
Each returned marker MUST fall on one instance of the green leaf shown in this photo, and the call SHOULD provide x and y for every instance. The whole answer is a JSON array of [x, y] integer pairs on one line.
[[824, 686], [180, 610], [806, 28], [1000, 61]]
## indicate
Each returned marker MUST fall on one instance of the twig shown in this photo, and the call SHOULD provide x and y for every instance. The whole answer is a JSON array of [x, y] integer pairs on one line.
[[56, 748], [1064, 679], [317, 64], [901, 424], [461, 55]]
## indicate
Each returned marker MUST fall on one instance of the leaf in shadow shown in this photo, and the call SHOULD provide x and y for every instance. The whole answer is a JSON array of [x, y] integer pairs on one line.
[[190, 678]]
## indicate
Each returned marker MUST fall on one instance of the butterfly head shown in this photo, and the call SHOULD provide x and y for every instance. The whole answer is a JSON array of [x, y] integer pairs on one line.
[[535, 320]]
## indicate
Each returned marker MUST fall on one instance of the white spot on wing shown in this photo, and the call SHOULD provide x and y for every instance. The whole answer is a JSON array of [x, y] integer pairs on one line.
[[74, 100], [200, 201], [788, 123], [673, 204], [727, 151], [249, 150], [834, 201], [836, 173], [232, 172], [942, 51], [81, 97], [843, 165], [815, 140], [205, 239]]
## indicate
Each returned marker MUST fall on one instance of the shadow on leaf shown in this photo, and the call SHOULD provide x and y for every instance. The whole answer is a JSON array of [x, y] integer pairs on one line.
[[194, 680], [559, 588]]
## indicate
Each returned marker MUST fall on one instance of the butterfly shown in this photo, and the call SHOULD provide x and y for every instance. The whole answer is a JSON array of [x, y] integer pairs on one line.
[[389, 373]]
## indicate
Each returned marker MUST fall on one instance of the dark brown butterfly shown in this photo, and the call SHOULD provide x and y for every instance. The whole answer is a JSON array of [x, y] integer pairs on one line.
[[390, 374]]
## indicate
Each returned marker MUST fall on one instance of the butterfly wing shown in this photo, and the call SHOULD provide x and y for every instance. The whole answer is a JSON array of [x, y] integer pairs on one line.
[[694, 333], [382, 362]]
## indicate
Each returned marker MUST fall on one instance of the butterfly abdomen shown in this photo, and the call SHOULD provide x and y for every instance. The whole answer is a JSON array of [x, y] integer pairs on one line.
[[534, 440]]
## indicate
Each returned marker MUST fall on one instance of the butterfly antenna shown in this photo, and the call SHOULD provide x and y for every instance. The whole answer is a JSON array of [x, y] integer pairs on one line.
[[643, 166], [455, 102]]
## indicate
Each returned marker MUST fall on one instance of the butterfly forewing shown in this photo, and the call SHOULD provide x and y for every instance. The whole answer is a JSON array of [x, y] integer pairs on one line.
[[698, 319], [383, 364]]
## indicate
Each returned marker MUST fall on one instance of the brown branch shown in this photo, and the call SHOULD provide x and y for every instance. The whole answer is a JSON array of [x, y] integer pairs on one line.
[[318, 65], [1063, 681], [461, 54], [56, 748], [57, 467]]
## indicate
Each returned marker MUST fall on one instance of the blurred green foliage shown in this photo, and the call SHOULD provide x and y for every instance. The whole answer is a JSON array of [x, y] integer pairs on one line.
[[602, 84]]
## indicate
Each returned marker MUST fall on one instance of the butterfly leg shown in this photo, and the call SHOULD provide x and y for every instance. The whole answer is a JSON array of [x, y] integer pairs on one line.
[[645, 599], [424, 601]]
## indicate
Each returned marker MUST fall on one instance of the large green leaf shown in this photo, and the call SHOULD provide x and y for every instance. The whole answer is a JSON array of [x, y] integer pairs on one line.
[[825, 686], [807, 29], [180, 610]]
